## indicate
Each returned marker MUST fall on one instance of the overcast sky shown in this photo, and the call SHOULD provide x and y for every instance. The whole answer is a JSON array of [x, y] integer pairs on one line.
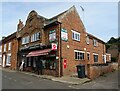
[[100, 19]]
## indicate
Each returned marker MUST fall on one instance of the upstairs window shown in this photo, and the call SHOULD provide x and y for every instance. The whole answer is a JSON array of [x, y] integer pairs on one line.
[[87, 40], [25, 40], [95, 42], [35, 37], [9, 46], [79, 55], [4, 47], [75, 35]]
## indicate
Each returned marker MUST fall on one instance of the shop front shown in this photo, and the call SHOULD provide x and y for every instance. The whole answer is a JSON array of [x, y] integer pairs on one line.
[[41, 61]]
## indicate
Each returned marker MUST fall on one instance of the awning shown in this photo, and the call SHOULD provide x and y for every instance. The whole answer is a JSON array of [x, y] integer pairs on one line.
[[38, 53]]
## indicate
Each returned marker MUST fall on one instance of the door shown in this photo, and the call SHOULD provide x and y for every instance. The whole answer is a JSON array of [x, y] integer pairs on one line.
[[3, 61]]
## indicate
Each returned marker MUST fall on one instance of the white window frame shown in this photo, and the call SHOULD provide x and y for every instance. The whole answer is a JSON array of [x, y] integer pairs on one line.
[[35, 37], [75, 35], [4, 47], [87, 40], [95, 42], [8, 64], [9, 46], [25, 40], [79, 55]]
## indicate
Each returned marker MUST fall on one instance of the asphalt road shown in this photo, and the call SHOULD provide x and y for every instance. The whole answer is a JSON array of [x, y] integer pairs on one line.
[[17, 80]]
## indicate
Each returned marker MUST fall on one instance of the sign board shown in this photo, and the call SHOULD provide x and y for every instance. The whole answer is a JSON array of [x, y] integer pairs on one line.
[[52, 35], [54, 46], [64, 34]]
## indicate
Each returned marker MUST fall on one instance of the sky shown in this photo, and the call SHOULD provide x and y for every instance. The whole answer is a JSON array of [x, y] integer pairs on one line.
[[99, 18]]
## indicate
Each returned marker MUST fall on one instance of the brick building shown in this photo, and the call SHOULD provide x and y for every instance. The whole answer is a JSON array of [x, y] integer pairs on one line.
[[57, 45], [8, 51]]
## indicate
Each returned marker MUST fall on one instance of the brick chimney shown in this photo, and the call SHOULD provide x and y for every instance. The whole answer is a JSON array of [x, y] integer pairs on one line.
[[20, 25]]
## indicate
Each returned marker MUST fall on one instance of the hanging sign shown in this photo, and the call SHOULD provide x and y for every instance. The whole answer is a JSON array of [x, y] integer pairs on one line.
[[65, 63], [54, 46], [64, 34], [52, 35]]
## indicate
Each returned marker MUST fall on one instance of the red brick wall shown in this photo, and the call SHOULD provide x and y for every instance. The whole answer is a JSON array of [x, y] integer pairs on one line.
[[96, 71]]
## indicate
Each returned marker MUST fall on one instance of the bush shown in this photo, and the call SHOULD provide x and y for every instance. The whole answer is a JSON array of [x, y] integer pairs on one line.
[[113, 59]]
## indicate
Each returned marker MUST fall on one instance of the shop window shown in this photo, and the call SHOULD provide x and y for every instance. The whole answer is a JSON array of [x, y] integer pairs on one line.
[[75, 35], [79, 55], [51, 65], [29, 61], [95, 57]]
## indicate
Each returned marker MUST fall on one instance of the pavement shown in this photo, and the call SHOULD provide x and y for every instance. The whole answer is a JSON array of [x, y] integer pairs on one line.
[[73, 80]]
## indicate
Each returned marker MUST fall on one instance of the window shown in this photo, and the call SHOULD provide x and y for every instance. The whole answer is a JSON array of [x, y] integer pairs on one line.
[[87, 40], [104, 58], [75, 35], [25, 40], [88, 56], [4, 47], [52, 35], [8, 61], [0, 59], [1, 48], [35, 37], [95, 43], [95, 57], [9, 46], [79, 55]]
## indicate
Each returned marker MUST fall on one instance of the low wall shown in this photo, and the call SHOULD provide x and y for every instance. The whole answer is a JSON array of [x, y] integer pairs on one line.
[[95, 71]]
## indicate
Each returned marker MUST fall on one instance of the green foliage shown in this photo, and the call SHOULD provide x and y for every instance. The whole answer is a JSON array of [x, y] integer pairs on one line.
[[113, 59]]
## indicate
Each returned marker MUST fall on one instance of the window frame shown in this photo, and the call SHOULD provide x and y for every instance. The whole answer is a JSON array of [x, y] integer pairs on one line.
[[75, 35], [95, 42], [79, 55], [25, 40], [95, 54], [7, 63], [9, 45], [4, 47]]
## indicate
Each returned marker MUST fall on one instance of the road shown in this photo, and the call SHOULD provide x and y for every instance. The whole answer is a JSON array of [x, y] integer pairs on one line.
[[18, 80]]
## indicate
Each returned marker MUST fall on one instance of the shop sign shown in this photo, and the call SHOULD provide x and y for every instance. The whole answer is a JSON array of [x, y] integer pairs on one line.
[[64, 34], [52, 35], [65, 63], [54, 46]]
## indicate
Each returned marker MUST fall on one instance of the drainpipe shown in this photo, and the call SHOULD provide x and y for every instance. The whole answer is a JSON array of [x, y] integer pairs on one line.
[[61, 65]]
